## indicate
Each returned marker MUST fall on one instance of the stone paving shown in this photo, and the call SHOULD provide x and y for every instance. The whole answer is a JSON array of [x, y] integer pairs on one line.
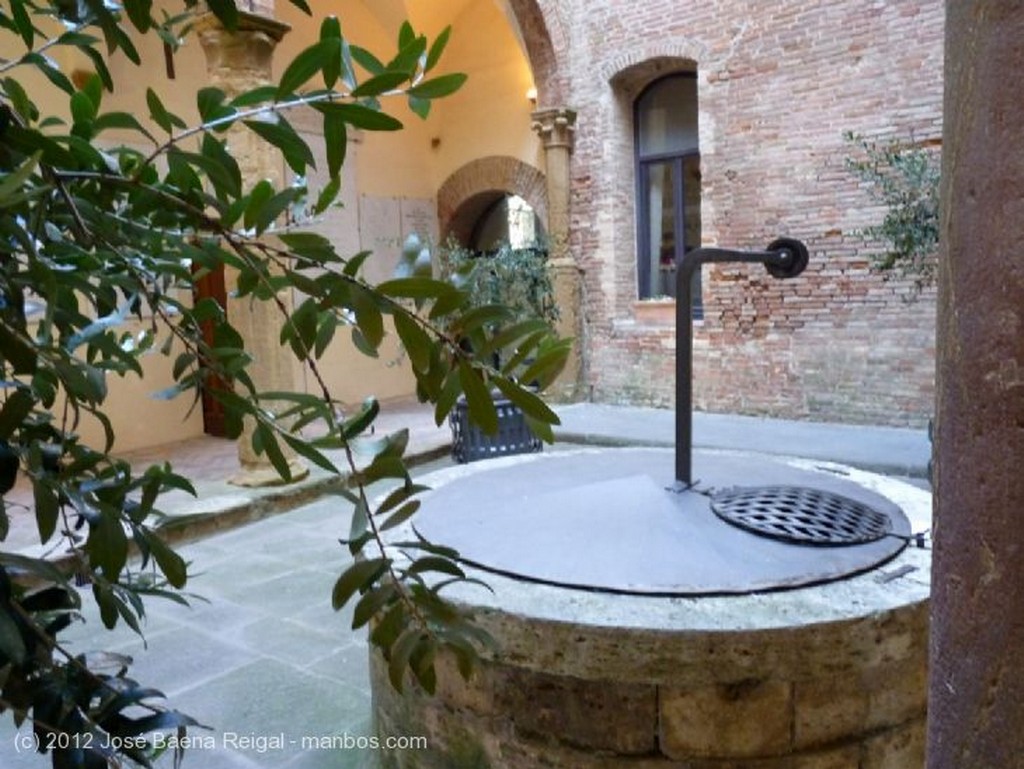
[[260, 656]]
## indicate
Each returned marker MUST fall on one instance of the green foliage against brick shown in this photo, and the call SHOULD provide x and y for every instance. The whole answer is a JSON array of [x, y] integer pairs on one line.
[[98, 234], [904, 179]]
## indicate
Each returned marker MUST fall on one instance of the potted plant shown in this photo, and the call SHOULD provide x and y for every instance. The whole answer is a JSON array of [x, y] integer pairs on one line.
[[517, 279]]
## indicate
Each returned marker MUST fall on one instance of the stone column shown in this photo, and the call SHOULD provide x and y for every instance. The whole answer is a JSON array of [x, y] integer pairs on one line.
[[557, 128], [237, 61], [976, 707]]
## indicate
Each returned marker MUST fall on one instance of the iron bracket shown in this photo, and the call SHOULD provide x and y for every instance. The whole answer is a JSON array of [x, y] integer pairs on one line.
[[784, 258]]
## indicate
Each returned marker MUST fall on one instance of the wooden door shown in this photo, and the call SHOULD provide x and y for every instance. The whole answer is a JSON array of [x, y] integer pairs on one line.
[[212, 284]]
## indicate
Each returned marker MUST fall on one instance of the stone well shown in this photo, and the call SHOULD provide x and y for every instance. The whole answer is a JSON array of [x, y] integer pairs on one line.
[[827, 675]]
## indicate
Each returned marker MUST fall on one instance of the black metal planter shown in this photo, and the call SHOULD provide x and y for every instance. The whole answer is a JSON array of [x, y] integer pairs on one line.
[[470, 443]]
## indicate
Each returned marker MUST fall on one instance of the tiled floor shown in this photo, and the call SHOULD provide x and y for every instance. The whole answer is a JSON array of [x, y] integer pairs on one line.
[[211, 462], [261, 657]]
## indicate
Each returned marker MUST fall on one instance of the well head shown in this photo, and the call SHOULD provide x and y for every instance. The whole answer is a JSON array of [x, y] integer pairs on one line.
[[607, 520]]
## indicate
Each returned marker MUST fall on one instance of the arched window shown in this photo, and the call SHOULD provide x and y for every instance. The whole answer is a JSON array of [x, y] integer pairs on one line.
[[668, 184]]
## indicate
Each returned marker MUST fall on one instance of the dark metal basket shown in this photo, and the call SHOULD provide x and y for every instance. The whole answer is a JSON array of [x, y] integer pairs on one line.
[[470, 443]]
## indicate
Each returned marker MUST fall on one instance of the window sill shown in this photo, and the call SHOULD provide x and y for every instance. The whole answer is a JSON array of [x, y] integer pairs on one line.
[[660, 313], [655, 312]]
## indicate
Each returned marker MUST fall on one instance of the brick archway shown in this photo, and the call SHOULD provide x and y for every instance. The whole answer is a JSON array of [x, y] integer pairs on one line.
[[467, 193], [544, 34]]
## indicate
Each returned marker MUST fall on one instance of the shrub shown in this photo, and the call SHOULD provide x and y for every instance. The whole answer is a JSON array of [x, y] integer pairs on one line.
[[98, 233], [904, 178]]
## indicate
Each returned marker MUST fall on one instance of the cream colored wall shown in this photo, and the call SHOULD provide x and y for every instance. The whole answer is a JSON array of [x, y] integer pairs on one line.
[[352, 377], [394, 164], [140, 420], [489, 116]]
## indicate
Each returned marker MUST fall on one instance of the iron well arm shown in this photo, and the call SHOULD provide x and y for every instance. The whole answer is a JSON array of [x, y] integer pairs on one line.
[[784, 258]]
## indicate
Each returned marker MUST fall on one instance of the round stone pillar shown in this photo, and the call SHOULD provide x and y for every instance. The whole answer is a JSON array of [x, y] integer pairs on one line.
[[238, 60], [976, 711], [557, 128]]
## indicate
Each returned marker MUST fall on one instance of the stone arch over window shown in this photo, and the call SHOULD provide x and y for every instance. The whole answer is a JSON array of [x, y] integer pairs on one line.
[[635, 67], [469, 192]]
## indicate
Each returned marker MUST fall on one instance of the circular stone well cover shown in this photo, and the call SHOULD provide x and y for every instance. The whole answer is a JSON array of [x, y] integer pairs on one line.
[[608, 520]]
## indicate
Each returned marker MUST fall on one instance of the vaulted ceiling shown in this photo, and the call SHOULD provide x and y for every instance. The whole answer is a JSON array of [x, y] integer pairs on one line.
[[431, 16]]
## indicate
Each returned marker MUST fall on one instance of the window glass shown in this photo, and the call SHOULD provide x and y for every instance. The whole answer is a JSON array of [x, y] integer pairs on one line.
[[691, 202], [660, 191], [668, 117], [668, 185]]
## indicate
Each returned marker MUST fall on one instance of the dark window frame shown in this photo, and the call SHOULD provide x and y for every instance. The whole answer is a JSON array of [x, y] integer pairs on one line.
[[642, 164]]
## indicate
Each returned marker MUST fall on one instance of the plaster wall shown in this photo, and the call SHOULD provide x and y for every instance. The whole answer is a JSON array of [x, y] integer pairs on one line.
[[490, 115], [388, 192], [139, 417]]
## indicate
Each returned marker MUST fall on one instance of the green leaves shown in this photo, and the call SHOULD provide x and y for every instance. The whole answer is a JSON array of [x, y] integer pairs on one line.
[[336, 145], [445, 85], [478, 397], [22, 22], [170, 563], [307, 64], [225, 11], [109, 239], [528, 401], [213, 108], [12, 185], [359, 576], [139, 13], [904, 178], [359, 116], [280, 134], [159, 114], [380, 84], [398, 593], [107, 545]]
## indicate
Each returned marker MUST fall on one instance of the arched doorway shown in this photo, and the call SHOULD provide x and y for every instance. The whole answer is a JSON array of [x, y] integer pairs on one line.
[[475, 201]]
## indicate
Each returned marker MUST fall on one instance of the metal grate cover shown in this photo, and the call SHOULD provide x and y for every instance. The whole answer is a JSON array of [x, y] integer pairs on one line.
[[801, 515]]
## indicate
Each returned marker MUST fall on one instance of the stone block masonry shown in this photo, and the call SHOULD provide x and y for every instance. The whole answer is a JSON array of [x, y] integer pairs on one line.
[[841, 695]]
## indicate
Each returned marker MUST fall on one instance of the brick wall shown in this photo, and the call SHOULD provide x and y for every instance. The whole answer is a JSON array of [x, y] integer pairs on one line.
[[778, 85]]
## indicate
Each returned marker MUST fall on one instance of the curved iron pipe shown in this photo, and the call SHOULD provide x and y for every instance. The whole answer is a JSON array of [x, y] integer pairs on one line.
[[784, 258]]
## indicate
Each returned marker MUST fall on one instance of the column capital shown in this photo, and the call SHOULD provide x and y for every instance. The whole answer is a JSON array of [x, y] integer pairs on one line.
[[247, 22], [556, 127], [244, 52]]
